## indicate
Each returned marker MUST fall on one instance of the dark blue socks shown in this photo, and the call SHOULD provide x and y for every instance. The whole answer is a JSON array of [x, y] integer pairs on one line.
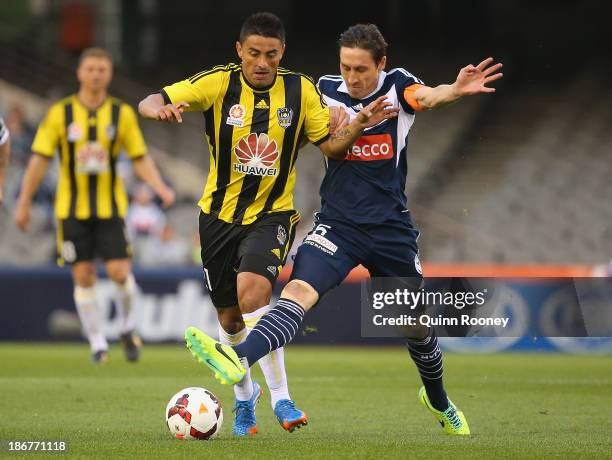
[[427, 356], [275, 329]]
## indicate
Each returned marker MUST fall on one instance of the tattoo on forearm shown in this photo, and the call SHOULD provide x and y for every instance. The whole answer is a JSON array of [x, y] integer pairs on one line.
[[341, 135]]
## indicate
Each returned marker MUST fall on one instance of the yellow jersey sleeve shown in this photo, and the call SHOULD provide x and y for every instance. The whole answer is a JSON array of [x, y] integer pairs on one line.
[[199, 91], [130, 135], [316, 122], [49, 132]]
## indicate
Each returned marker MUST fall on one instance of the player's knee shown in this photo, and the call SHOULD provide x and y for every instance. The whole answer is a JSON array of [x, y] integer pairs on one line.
[[230, 320], [84, 274], [254, 291], [118, 270], [417, 332], [301, 292]]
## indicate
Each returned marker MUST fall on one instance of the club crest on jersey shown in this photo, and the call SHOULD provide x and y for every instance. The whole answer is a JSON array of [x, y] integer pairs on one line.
[[236, 115], [256, 155], [284, 115]]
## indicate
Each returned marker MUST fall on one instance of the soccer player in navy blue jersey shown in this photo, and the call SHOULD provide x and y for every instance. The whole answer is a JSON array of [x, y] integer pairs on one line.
[[364, 218]]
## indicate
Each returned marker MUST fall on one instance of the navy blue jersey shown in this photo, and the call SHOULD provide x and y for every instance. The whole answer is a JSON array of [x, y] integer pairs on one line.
[[367, 186]]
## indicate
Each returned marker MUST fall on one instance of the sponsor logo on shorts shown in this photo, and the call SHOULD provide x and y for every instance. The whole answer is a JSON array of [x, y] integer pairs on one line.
[[317, 239], [281, 235], [371, 148], [322, 243], [236, 115], [256, 155]]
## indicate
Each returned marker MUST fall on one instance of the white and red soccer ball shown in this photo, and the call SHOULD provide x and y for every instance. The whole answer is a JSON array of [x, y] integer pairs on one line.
[[195, 414]]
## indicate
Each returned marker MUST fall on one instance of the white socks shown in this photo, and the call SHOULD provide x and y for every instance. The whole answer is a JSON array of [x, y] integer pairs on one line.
[[243, 389], [124, 300], [87, 307], [273, 364]]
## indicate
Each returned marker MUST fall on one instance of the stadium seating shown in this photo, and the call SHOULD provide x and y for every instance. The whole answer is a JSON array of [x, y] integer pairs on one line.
[[518, 177], [536, 190]]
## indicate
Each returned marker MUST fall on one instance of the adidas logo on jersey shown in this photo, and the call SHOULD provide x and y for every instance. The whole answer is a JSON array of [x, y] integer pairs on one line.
[[261, 104]]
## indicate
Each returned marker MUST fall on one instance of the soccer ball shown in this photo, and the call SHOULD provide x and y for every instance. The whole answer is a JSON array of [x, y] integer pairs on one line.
[[194, 413]]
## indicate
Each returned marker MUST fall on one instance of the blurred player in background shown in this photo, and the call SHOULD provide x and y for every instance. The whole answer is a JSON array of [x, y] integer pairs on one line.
[[90, 129], [5, 148], [364, 217], [257, 115]]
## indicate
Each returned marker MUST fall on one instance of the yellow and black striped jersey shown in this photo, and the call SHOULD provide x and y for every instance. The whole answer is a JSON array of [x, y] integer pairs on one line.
[[253, 136], [89, 142]]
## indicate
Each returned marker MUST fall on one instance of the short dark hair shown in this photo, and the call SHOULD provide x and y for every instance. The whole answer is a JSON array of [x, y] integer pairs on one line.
[[264, 24], [95, 52], [367, 37]]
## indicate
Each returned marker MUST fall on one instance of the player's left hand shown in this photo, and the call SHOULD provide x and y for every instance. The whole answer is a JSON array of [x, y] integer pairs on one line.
[[473, 79], [376, 112]]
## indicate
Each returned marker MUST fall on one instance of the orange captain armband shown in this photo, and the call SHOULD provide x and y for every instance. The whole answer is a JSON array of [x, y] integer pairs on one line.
[[409, 97]]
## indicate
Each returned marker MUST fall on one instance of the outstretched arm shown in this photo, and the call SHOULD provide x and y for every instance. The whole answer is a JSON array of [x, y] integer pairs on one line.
[[471, 80], [344, 137], [153, 107]]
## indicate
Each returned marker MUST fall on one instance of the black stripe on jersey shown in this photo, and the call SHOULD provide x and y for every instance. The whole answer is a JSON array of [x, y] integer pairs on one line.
[[293, 100], [250, 183], [92, 179], [113, 161], [300, 138], [209, 126], [310, 79], [68, 118], [224, 157]]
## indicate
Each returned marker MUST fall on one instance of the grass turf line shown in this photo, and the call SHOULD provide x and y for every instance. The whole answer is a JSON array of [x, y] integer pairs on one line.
[[362, 403]]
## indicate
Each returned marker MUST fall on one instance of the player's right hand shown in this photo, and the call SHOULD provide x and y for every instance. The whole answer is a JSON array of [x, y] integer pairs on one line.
[[167, 197], [376, 112], [171, 113], [23, 215]]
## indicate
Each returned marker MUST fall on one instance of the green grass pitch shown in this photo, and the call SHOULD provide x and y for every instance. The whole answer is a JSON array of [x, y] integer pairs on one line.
[[361, 402]]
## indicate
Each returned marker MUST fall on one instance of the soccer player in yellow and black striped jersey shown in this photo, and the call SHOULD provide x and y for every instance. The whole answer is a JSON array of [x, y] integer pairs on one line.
[[90, 129], [257, 116]]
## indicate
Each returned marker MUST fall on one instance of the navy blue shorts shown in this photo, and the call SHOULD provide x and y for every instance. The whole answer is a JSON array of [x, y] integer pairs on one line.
[[333, 248]]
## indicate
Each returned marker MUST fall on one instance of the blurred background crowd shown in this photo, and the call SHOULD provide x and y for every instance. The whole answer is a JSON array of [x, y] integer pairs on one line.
[[522, 176]]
